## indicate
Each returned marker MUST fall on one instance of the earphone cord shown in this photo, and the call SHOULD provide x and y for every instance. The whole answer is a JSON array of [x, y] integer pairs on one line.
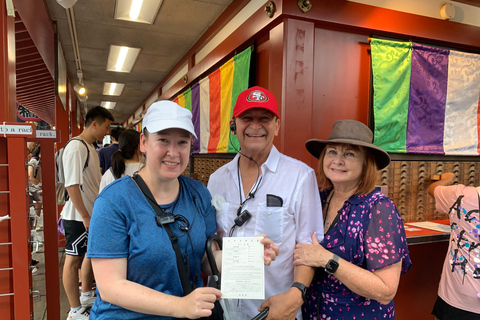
[[251, 194]]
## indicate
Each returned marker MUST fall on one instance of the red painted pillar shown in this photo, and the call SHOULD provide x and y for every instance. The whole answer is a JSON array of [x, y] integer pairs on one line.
[[7, 114], [6, 276], [20, 227]]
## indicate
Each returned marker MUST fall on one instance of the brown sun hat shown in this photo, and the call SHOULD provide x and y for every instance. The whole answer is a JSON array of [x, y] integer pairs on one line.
[[350, 132]]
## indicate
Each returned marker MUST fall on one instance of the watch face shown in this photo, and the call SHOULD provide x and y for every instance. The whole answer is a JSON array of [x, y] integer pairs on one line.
[[331, 266]]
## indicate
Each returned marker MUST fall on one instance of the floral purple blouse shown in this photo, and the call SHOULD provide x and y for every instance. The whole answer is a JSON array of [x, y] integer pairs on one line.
[[369, 233]]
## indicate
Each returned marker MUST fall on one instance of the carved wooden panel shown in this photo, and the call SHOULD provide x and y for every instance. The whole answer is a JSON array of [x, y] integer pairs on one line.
[[408, 182], [204, 167]]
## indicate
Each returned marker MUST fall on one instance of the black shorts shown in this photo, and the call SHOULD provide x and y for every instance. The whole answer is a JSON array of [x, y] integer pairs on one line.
[[76, 237], [444, 311]]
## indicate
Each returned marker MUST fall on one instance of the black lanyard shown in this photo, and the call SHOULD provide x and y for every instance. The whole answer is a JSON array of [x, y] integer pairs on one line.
[[244, 216]]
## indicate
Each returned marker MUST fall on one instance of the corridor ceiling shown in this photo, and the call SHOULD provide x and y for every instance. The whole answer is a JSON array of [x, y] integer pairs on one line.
[[178, 25]]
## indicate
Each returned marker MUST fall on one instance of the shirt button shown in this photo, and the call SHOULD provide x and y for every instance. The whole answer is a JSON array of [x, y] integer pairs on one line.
[[269, 212]]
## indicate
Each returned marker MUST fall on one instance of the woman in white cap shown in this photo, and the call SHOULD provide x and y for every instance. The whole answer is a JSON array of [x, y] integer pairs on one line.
[[364, 250], [132, 244]]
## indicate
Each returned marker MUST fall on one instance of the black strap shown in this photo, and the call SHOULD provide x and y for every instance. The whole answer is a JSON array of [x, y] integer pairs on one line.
[[182, 270], [211, 258]]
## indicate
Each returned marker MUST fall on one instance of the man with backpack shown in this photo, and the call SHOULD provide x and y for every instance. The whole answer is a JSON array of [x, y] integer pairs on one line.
[[82, 179]]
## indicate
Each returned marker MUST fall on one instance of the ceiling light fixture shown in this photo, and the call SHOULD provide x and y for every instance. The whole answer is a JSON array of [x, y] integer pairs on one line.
[[80, 90], [83, 98], [121, 58], [113, 89], [66, 3], [108, 104], [143, 11], [135, 9]]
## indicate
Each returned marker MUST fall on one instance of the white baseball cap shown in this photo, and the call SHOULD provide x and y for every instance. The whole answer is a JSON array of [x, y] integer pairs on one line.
[[167, 114]]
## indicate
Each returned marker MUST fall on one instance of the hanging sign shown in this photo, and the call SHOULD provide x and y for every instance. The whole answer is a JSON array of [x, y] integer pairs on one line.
[[17, 130], [49, 134]]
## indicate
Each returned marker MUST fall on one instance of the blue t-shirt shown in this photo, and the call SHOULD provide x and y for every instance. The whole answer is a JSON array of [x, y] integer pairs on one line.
[[123, 226]]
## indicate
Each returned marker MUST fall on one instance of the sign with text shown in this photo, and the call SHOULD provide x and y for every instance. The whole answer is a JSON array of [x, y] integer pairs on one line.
[[46, 134], [16, 130]]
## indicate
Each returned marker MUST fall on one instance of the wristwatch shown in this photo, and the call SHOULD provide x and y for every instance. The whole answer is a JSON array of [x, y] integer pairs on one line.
[[302, 288], [332, 265]]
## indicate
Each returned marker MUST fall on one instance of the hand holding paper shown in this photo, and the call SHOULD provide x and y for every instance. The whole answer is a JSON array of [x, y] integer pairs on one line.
[[270, 250], [243, 274]]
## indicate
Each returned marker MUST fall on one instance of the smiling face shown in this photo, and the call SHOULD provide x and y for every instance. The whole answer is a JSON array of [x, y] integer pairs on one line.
[[256, 129], [343, 165], [167, 152]]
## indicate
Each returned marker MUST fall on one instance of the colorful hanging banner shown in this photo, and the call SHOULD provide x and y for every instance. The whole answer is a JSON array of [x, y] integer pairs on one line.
[[426, 99], [211, 102]]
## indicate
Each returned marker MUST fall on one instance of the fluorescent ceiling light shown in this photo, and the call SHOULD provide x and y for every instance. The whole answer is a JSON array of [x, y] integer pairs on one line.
[[143, 11], [135, 9], [108, 104], [122, 59], [113, 89]]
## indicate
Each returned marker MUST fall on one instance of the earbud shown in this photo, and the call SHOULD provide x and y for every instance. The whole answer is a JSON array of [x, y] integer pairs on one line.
[[233, 126], [183, 228]]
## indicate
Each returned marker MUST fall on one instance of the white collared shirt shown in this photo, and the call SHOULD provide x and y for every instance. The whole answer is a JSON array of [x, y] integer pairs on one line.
[[294, 222]]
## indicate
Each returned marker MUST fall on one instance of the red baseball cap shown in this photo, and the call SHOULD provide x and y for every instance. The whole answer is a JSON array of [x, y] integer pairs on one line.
[[255, 97]]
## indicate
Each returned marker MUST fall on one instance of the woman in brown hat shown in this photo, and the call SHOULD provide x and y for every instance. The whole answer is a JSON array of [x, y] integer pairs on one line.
[[364, 250]]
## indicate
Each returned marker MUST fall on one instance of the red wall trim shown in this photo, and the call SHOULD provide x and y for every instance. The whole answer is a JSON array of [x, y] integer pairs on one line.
[[347, 14]]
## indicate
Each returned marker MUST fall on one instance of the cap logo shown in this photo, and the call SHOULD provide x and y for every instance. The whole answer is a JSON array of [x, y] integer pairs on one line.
[[257, 96]]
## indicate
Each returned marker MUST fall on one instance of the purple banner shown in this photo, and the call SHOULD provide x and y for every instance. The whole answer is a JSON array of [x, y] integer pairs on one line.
[[196, 116], [428, 94]]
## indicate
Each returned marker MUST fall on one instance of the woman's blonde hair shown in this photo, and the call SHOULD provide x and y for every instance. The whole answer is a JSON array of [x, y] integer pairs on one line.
[[367, 177]]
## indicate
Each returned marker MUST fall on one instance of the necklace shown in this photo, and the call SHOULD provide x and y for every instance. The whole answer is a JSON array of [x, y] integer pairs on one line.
[[327, 223]]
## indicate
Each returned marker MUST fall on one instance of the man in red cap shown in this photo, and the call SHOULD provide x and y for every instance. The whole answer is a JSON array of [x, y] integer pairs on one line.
[[262, 191]]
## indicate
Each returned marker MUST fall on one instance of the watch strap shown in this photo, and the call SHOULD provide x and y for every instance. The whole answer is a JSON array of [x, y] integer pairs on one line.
[[302, 288], [335, 258]]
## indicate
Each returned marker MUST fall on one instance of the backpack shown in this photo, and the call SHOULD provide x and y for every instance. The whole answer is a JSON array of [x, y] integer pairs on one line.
[[62, 194]]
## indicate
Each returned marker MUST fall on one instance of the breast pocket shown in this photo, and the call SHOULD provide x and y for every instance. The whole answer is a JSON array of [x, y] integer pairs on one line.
[[270, 222]]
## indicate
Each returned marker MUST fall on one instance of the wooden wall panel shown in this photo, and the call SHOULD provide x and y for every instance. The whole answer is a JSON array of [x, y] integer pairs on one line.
[[341, 80], [297, 96]]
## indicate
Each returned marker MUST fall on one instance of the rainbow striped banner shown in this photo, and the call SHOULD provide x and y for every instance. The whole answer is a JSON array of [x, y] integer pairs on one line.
[[138, 126], [426, 99], [211, 102]]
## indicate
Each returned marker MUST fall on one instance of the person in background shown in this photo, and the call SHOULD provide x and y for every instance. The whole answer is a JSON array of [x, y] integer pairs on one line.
[[105, 154], [35, 190], [459, 289], [82, 186], [31, 146], [35, 185], [274, 195], [126, 160], [364, 250], [132, 257]]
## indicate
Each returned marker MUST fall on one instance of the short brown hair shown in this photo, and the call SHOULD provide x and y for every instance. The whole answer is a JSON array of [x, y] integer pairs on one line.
[[367, 177]]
